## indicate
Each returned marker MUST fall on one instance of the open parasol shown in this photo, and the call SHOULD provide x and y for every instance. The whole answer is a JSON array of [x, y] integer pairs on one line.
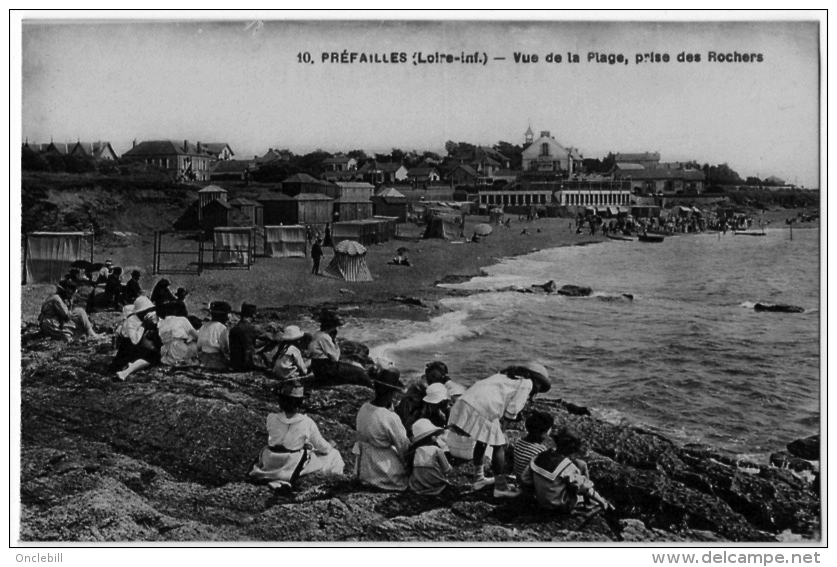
[[482, 229]]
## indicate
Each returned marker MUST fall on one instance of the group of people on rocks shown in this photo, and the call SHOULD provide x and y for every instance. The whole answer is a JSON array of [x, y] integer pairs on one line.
[[412, 445], [437, 424]]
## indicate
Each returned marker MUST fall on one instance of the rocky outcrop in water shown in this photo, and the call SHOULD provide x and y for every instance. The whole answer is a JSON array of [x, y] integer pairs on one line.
[[778, 308], [164, 457]]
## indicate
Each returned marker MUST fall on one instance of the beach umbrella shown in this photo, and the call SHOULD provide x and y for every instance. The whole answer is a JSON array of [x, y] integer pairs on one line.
[[482, 229], [402, 249]]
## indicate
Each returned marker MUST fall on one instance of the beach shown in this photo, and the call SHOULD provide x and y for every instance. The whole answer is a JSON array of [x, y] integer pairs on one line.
[[163, 456]]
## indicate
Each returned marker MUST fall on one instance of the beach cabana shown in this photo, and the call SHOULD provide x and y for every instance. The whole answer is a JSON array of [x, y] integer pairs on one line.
[[313, 208], [232, 245], [349, 262], [390, 203], [285, 241], [47, 255], [207, 195], [279, 209], [251, 209], [352, 208]]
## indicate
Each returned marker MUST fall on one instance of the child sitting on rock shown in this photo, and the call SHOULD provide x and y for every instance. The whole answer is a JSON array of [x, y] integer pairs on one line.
[[426, 459], [538, 426], [558, 480], [295, 445]]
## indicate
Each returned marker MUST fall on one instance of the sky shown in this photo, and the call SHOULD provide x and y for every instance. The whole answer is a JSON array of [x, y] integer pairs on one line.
[[245, 82]]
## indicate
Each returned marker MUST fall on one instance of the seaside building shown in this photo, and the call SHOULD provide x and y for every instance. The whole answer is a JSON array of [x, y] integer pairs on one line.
[[423, 176], [663, 180], [377, 172], [183, 161], [220, 151], [97, 151], [648, 160], [340, 163], [545, 154]]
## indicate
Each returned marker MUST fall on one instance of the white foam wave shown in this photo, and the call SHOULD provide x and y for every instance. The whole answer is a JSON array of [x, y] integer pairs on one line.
[[442, 329], [748, 305]]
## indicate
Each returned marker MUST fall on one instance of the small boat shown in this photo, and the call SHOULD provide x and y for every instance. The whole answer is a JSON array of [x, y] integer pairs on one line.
[[617, 237], [651, 237]]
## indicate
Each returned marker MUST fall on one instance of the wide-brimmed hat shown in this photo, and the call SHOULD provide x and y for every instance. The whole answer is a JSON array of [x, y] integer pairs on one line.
[[142, 306], [292, 333], [388, 377], [248, 309], [292, 389], [424, 428], [538, 373], [220, 308], [436, 393]]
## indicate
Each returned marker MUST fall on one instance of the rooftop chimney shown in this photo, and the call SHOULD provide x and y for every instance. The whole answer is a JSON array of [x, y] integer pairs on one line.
[[135, 143], [199, 147], [185, 145]]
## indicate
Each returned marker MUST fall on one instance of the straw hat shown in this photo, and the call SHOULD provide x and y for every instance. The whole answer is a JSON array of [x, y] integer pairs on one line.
[[537, 373], [292, 333], [292, 389], [423, 428], [436, 393]]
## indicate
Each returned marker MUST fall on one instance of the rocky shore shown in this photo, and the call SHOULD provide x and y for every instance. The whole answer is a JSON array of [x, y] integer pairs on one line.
[[164, 457]]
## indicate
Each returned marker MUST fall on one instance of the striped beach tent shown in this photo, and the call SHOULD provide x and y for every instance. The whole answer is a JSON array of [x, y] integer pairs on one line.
[[349, 263]]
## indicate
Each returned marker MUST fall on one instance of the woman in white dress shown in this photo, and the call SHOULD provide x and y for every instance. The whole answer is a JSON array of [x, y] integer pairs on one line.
[[477, 413], [177, 335], [381, 437], [295, 446], [213, 338]]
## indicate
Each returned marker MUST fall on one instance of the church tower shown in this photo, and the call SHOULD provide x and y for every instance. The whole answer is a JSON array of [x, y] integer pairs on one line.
[[529, 136]]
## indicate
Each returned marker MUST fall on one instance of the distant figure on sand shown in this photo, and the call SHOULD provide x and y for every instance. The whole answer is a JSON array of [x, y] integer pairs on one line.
[[316, 255], [59, 322]]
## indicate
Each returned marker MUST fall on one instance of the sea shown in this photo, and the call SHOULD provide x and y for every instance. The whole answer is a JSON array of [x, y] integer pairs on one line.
[[688, 357]]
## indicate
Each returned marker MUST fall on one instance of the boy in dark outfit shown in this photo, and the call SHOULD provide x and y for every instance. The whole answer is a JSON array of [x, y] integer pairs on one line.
[[243, 341], [132, 287]]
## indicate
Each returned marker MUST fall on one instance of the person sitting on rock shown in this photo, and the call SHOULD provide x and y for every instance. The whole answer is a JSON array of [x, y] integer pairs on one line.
[[381, 437], [436, 405], [138, 343], [59, 321], [177, 335], [242, 339], [161, 293], [538, 426], [324, 352], [213, 338], [295, 445], [426, 459], [558, 480], [410, 406], [288, 361], [112, 296], [132, 287], [478, 412]]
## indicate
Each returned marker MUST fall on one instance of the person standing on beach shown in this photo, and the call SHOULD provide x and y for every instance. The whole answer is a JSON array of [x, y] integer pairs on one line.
[[478, 412], [316, 255]]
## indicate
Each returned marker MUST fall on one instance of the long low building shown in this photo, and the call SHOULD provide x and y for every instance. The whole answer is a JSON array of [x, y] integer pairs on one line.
[[592, 197], [515, 197]]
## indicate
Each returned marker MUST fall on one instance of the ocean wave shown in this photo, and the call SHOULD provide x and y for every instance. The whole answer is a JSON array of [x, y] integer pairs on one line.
[[443, 329]]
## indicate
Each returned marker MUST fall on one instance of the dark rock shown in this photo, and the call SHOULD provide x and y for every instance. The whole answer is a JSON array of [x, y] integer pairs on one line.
[[548, 287], [808, 448], [575, 291], [778, 308], [785, 460]]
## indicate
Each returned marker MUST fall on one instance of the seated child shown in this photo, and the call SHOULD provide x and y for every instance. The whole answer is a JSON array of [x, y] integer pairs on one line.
[[288, 362], [538, 425], [559, 480], [426, 459], [295, 446], [436, 405]]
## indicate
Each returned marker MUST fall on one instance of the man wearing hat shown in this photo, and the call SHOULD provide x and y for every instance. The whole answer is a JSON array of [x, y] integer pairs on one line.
[[324, 353], [242, 340], [213, 338]]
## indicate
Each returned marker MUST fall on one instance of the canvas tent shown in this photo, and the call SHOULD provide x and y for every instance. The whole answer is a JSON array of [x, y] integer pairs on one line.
[[232, 245], [285, 241], [48, 255], [349, 263], [435, 228]]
